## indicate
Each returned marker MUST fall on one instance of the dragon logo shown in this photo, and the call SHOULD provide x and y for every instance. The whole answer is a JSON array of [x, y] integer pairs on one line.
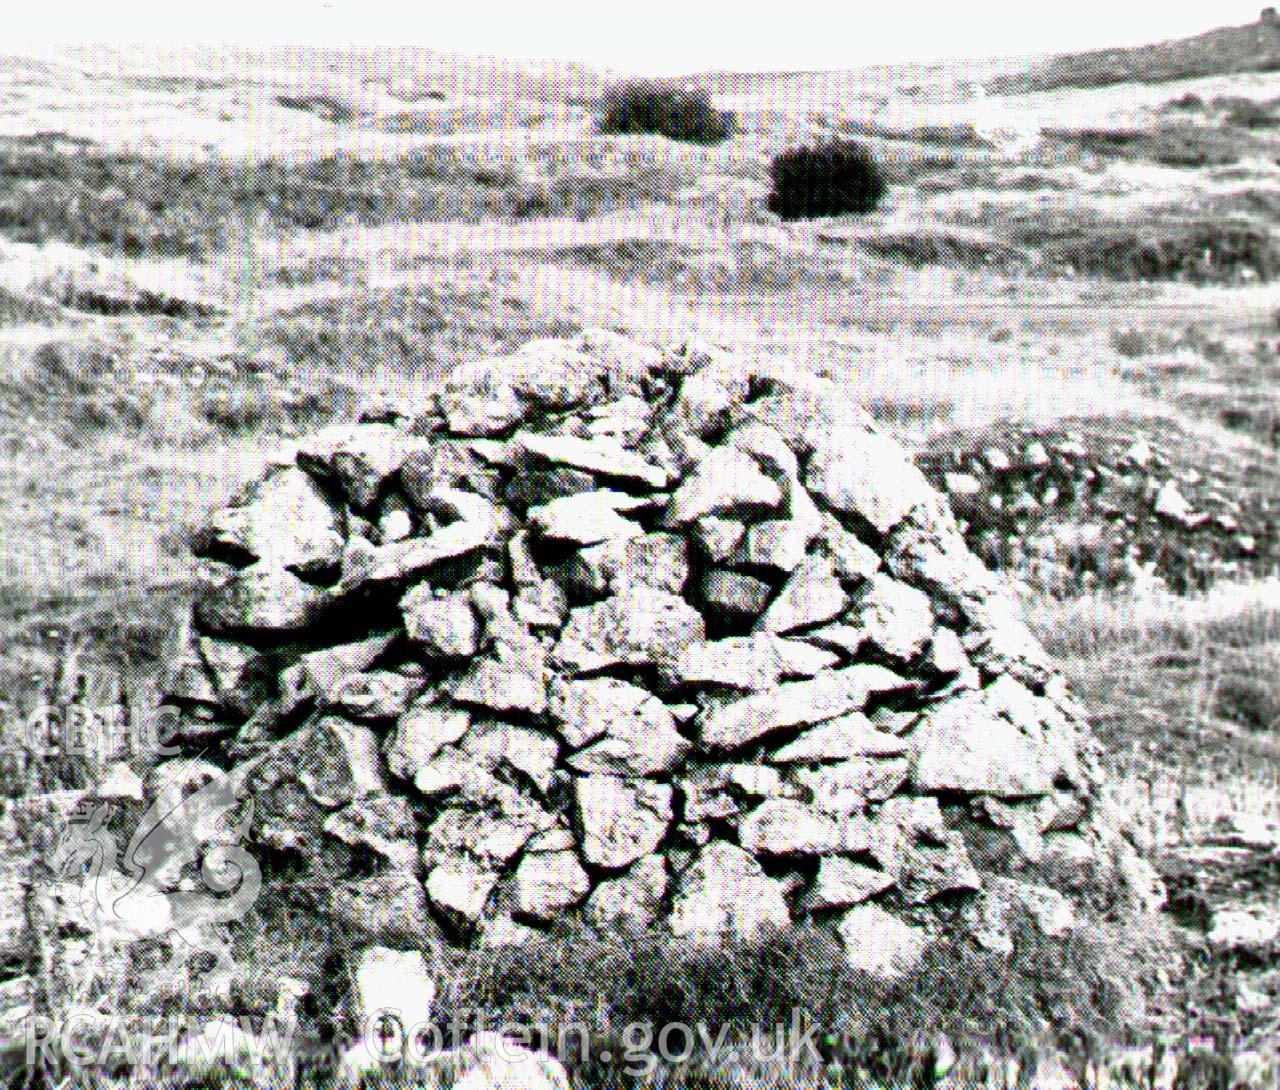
[[184, 873]]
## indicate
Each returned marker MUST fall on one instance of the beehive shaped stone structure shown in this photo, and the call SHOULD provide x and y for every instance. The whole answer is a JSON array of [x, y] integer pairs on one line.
[[605, 629]]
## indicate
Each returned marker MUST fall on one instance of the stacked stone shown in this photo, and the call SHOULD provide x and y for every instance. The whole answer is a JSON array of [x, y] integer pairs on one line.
[[606, 630], [1071, 510]]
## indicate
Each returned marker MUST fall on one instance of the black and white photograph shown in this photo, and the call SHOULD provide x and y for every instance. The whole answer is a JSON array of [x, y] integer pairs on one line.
[[645, 546]]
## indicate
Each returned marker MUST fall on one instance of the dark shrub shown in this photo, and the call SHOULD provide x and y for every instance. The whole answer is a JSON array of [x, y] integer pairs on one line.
[[673, 112], [825, 180], [1246, 113]]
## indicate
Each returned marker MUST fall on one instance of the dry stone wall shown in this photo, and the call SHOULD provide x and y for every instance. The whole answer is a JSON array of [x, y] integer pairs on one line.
[[631, 633]]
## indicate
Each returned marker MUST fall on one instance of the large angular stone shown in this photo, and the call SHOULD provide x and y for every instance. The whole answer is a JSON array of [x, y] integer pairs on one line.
[[788, 827], [241, 675], [930, 553], [421, 733], [895, 617], [442, 624], [946, 654], [375, 695], [492, 767], [723, 791], [334, 761], [725, 894], [812, 596], [634, 897], [555, 374], [587, 518], [880, 944], [912, 840], [726, 483], [452, 505], [846, 787], [780, 544], [452, 773], [855, 471], [187, 677], [842, 882], [1023, 820], [533, 486], [505, 748], [634, 754], [718, 539], [625, 362], [390, 906], [512, 675], [704, 791], [326, 669], [548, 883], [733, 596], [625, 420], [617, 728], [842, 639], [581, 707], [654, 560], [505, 683], [381, 823], [801, 407], [492, 396], [460, 889], [1053, 913], [260, 598], [539, 603], [599, 456], [490, 839], [619, 820], [638, 627], [283, 520], [851, 735], [999, 642], [933, 869], [415, 556], [797, 704], [447, 463], [361, 458], [973, 742], [705, 399], [769, 449], [852, 558], [747, 662]]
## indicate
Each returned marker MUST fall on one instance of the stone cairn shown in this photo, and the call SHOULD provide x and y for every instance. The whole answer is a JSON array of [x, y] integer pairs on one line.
[[635, 634]]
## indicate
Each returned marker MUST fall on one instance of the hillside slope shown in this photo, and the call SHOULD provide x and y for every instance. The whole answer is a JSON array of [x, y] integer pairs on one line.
[[1251, 48]]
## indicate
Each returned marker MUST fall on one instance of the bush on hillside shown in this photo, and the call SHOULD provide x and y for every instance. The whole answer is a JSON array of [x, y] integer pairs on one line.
[[674, 112], [825, 180], [1248, 113]]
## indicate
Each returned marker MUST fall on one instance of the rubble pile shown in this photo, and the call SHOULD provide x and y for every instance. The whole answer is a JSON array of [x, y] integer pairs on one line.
[[1086, 507], [626, 633]]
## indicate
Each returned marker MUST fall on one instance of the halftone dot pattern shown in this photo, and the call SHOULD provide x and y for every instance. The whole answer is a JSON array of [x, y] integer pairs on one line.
[[680, 553]]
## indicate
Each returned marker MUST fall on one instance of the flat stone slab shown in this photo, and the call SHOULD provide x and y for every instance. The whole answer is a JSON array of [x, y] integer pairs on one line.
[[593, 456]]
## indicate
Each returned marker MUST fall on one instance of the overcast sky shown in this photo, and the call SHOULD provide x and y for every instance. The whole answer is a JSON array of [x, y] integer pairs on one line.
[[667, 36]]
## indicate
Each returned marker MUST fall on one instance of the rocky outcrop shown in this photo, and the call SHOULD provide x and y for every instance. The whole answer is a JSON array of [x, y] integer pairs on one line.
[[634, 634], [1094, 506]]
